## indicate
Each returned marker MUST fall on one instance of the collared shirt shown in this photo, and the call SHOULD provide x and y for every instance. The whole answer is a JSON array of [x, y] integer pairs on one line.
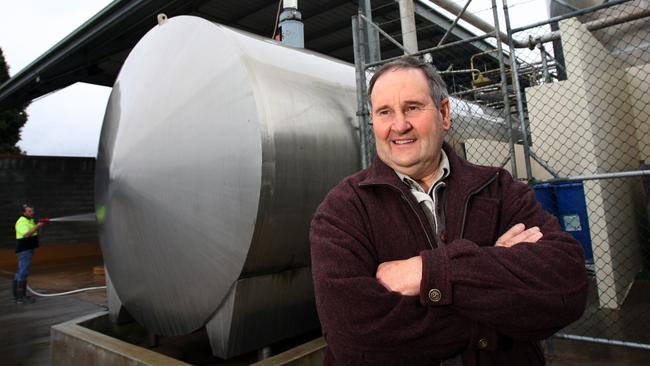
[[417, 190], [430, 200]]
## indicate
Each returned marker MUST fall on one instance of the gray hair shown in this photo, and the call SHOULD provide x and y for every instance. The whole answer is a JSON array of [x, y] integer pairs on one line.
[[437, 86]]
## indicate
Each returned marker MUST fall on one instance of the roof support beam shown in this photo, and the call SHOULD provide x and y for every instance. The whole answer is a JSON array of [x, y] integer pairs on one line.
[[457, 32], [250, 12]]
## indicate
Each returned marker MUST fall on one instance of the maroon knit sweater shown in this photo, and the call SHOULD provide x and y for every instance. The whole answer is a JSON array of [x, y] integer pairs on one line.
[[494, 303]]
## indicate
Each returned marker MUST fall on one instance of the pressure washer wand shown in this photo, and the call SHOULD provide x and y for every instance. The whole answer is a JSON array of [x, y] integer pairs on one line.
[[87, 217]]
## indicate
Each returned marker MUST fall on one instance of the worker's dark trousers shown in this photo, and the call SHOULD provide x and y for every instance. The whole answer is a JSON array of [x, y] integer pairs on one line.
[[20, 292], [15, 289], [20, 280]]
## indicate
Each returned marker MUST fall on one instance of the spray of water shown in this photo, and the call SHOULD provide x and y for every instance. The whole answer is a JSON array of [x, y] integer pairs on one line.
[[75, 218]]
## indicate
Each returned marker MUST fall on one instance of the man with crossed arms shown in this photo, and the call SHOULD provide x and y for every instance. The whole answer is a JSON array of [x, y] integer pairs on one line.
[[427, 259]]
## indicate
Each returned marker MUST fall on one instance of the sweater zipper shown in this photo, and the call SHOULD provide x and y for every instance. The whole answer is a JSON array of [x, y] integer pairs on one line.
[[434, 212], [412, 209], [472, 193], [419, 219]]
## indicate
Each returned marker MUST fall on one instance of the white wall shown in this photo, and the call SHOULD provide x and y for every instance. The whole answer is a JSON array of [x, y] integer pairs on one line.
[[595, 122]]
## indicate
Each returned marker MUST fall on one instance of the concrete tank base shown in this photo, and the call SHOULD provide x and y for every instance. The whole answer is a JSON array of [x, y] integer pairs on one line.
[[95, 340]]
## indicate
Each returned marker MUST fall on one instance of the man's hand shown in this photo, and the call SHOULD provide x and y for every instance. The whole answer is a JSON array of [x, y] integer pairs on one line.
[[33, 230], [519, 234], [401, 276], [404, 276]]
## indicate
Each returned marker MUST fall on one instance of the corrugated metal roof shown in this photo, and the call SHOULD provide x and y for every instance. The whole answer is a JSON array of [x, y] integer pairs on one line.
[[95, 51]]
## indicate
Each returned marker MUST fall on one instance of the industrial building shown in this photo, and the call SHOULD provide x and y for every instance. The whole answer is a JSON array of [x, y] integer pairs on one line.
[[563, 104]]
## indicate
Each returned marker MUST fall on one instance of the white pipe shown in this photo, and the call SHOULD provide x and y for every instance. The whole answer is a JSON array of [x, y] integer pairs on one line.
[[290, 4], [624, 18], [407, 21], [479, 23], [531, 41]]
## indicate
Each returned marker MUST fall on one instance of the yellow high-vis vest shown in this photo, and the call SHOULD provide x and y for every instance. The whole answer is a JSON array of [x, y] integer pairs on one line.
[[23, 225]]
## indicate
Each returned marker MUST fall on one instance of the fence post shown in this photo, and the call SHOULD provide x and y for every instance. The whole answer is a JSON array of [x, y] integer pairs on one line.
[[504, 90], [362, 109], [517, 90]]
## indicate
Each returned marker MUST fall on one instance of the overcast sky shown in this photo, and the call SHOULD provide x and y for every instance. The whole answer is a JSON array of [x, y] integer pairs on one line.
[[68, 122]]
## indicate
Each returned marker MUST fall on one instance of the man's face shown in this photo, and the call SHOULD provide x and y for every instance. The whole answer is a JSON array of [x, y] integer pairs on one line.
[[28, 212], [408, 127]]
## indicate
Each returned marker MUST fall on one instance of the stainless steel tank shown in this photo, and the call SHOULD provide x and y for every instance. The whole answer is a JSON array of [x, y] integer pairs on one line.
[[216, 148]]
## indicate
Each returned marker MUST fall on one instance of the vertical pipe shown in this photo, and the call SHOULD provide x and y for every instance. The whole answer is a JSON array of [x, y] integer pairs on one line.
[[407, 21], [290, 4], [504, 90], [372, 35], [291, 25], [362, 109], [516, 87], [558, 53], [542, 51]]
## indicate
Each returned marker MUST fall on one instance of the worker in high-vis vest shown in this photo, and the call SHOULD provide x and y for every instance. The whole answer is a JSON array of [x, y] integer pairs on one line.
[[26, 241]]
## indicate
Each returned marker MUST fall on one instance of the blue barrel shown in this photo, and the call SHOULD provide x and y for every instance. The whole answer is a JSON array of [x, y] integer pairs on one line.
[[545, 194], [566, 201], [572, 213]]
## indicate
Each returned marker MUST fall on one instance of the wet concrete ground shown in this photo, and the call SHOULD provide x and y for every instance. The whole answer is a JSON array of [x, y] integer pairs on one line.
[[577, 353], [630, 323], [25, 329]]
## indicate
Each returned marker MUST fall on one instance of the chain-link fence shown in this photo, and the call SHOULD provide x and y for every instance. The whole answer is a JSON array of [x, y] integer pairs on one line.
[[589, 119], [564, 105]]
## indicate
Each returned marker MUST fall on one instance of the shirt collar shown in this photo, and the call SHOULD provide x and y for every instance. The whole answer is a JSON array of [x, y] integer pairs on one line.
[[443, 172]]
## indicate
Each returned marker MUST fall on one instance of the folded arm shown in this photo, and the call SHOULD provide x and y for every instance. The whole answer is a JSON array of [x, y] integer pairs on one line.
[[358, 313], [524, 291], [405, 276]]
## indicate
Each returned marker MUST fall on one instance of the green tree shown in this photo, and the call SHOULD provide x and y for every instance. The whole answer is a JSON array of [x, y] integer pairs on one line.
[[11, 120]]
